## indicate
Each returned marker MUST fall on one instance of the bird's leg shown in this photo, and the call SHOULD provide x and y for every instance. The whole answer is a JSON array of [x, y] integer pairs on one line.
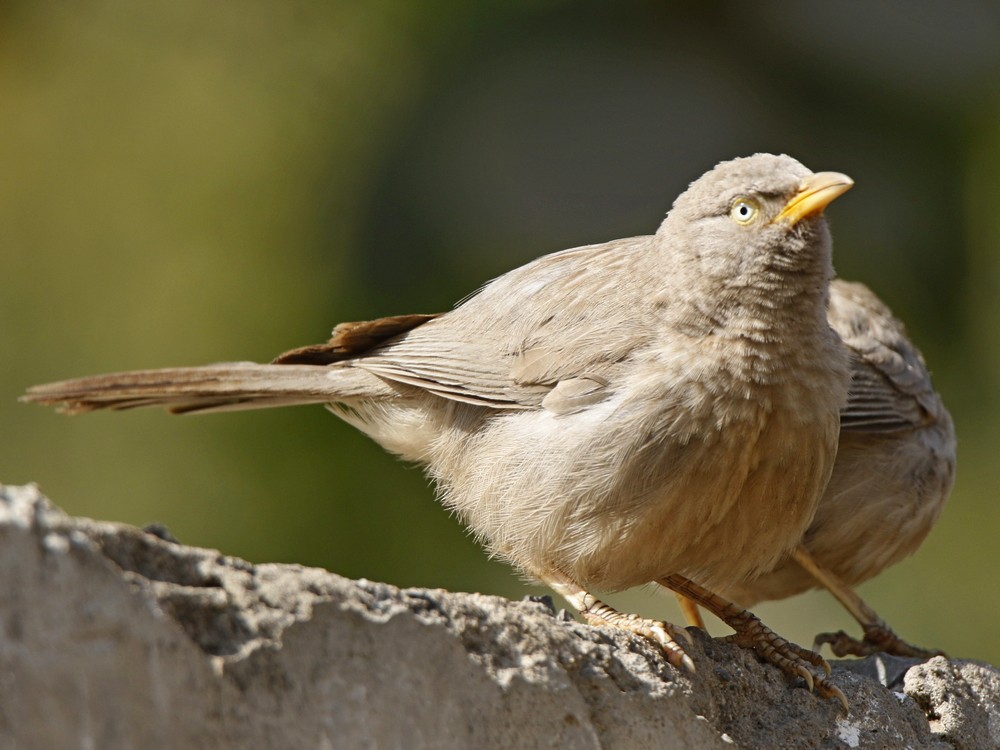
[[690, 611], [596, 612], [752, 633], [878, 635]]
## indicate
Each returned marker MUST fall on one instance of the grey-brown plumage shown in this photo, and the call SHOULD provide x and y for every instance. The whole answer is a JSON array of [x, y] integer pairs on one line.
[[605, 416], [895, 466]]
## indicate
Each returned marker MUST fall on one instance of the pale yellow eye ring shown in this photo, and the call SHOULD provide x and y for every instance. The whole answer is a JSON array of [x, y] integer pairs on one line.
[[744, 210]]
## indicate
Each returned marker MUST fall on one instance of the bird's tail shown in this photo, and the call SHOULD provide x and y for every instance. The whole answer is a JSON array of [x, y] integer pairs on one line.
[[228, 386]]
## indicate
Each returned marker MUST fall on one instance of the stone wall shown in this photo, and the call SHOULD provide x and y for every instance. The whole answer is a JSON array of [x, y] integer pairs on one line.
[[115, 637]]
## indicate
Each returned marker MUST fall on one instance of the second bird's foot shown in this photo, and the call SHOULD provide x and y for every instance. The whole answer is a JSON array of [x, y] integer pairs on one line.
[[878, 638]]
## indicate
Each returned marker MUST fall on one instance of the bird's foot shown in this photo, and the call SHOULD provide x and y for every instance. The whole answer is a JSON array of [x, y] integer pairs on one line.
[[752, 633], [878, 638], [878, 635], [787, 656], [662, 633], [596, 612]]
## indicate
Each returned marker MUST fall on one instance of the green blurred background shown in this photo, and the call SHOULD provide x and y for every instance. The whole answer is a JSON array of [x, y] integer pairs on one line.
[[187, 182]]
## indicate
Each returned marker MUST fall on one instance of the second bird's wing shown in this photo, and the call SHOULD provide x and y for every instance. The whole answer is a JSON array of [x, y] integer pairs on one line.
[[890, 387]]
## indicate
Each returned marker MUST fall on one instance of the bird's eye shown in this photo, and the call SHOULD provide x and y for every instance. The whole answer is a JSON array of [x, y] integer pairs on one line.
[[744, 210]]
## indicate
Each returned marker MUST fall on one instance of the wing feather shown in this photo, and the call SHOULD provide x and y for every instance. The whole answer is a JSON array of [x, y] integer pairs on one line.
[[891, 388], [556, 318]]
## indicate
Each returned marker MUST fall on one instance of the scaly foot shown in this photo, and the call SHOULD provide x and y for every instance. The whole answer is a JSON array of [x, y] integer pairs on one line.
[[752, 633], [596, 612], [879, 637]]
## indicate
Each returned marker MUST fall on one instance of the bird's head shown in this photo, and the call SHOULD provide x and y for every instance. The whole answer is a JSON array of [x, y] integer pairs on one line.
[[753, 219]]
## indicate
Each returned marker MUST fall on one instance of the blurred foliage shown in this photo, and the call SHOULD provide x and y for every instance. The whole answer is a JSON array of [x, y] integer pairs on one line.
[[185, 182]]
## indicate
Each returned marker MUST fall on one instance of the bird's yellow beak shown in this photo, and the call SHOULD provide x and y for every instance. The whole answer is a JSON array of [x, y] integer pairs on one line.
[[815, 193]]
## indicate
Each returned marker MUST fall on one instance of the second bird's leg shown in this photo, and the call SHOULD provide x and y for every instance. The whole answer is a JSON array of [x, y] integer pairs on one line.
[[878, 635], [596, 612], [752, 633], [689, 608]]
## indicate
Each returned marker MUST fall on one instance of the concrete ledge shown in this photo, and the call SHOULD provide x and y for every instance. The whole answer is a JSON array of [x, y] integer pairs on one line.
[[115, 637]]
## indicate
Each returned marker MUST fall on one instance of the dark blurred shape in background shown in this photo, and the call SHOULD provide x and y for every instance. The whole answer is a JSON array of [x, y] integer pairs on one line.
[[183, 182]]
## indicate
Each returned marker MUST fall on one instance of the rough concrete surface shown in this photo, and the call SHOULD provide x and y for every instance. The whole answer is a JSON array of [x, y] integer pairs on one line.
[[115, 637]]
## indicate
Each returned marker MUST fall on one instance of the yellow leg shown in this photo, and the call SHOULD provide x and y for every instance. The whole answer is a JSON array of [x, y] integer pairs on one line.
[[878, 635], [690, 611]]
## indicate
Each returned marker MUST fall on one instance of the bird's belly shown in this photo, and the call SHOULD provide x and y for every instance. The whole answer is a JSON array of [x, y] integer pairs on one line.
[[730, 510]]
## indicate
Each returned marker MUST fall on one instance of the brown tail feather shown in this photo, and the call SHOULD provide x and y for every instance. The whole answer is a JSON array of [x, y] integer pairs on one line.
[[223, 387], [352, 339]]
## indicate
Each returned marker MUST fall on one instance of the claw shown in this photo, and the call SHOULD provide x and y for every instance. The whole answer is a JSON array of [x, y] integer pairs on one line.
[[806, 675], [687, 664], [812, 657], [663, 634], [828, 690]]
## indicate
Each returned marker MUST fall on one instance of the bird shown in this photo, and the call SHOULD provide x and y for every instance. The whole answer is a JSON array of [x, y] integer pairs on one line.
[[894, 472], [661, 408]]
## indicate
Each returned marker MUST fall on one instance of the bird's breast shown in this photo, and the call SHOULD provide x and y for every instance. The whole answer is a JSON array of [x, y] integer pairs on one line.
[[729, 477]]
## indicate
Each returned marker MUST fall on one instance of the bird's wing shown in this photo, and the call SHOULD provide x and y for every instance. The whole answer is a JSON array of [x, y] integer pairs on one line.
[[890, 388], [510, 345]]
